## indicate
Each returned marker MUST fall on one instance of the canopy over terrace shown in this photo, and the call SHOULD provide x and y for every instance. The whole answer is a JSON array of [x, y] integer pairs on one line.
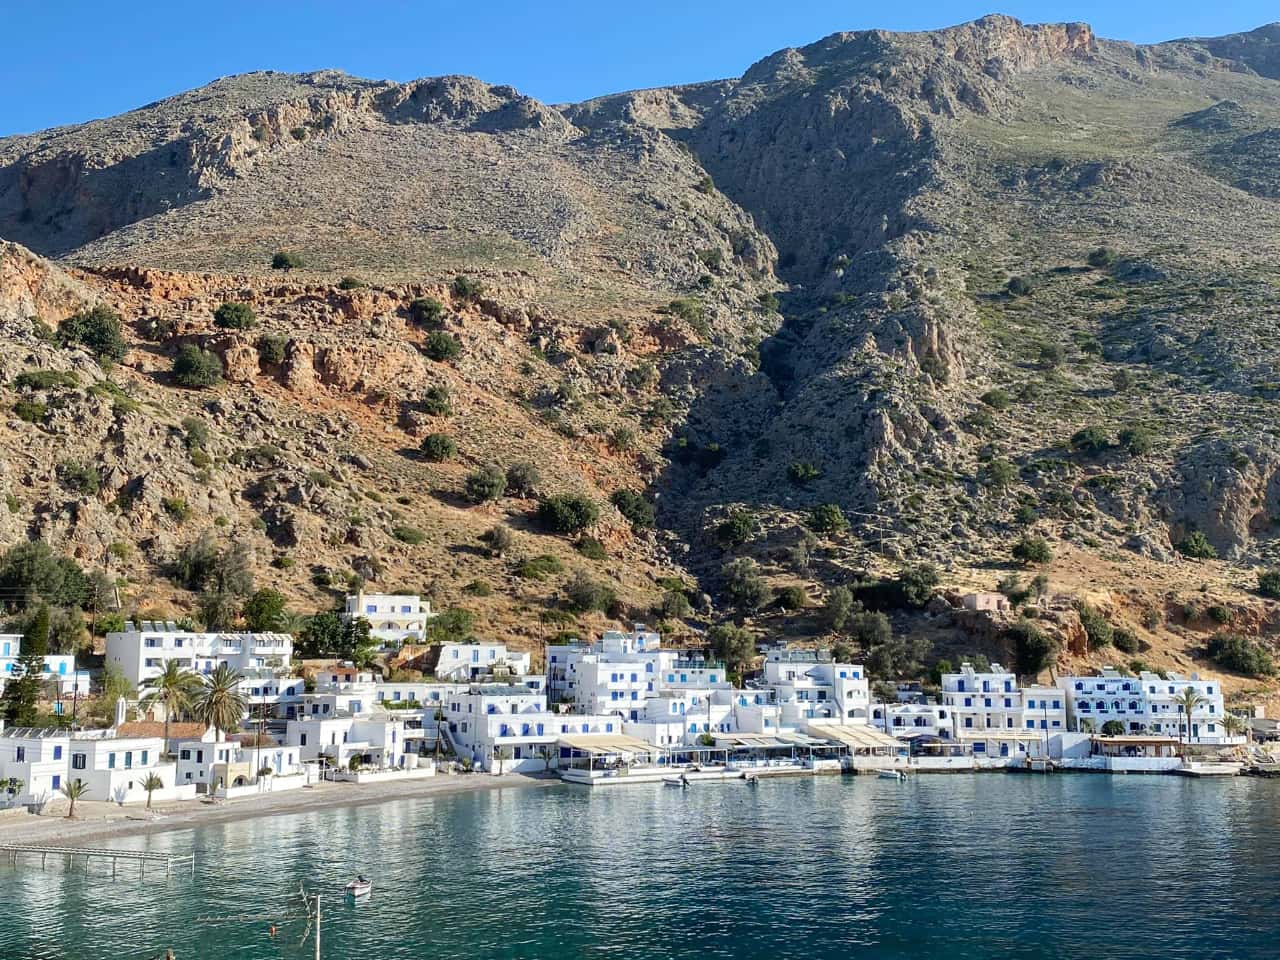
[[1135, 746], [1001, 740], [861, 740], [599, 750]]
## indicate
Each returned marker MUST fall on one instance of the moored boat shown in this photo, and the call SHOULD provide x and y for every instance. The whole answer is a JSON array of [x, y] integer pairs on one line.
[[359, 887]]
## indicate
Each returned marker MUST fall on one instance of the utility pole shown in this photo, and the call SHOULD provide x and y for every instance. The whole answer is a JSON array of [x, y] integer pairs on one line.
[[317, 926]]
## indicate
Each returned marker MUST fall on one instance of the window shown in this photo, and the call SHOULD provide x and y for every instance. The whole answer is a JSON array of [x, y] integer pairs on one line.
[[77, 761], [144, 757], [111, 761], [128, 758], [303, 740], [185, 755], [57, 782], [57, 751]]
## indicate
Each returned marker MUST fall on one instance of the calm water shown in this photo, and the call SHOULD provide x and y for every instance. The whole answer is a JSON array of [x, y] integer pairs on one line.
[[946, 866]]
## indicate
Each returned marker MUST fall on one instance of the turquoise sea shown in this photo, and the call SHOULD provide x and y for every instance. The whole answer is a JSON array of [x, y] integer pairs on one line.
[[956, 867]]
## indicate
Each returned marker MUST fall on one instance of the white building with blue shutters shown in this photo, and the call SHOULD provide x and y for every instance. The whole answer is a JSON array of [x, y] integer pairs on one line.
[[142, 651], [1147, 704], [59, 669], [393, 617]]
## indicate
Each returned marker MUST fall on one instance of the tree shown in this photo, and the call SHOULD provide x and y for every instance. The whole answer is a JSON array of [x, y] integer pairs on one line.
[[196, 368], [1269, 583], [464, 288], [284, 260], [1018, 287], [1102, 257], [736, 529], [801, 472], [1237, 652], [1097, 629], [436, 401], [1197, 546], [585, 594], [426, 312], [22, 691], [32, 571], [827, 518], [567, 513], [522, 479], [638, 511], [265, 611], [1032, 549], [235, 316], [1033, 649], [152, 783], [321, 635], [870, 628], [356, 643], [174, 689], [743, 584], [218, 610], [219, 702], [98, 330], [1113, 728], [438, 447], [736, 646], [838, 608], [487, 483], [792, 598], [918, 583], [1001, 473], [74, 790], [115, 687], [1187, 701], [441, 347], [499, 540], [1090, 440], [1235, 726], [1137, 441]]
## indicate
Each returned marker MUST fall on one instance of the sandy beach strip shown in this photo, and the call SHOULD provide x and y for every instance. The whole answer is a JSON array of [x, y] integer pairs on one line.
[[101, 821]]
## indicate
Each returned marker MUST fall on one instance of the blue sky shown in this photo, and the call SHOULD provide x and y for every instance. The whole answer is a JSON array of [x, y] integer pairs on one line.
[[66, 62]]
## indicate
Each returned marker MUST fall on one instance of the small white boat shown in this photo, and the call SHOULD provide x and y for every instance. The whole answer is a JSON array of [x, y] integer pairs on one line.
[[359, 887], [681, 781], [892, 775]]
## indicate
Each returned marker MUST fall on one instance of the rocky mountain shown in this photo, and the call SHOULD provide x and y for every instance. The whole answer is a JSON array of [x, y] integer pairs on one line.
[[973, 286]]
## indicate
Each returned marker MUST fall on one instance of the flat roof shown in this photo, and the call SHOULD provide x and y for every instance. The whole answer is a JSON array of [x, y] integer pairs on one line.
[[605, 743], [859, 735]]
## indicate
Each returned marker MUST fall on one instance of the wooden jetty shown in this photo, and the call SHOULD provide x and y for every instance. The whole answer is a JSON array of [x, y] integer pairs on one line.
[[18, 852]]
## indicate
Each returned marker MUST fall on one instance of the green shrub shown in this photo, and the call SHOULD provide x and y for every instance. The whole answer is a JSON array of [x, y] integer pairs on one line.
[[442, 347], [350, 283], [1000, 473], [1097, 628], [485, 484], [98, 330], [935, 368], [638, 511], [801, 472], [791, 598], [427, 312], [743, 584], [997, 399], [1233, 651], [737, 529], [1125, 640], [827, 518], [769, 301], [196, 368], [272, 348], [538, 568], [591, 548], [438, 447], [689, 309], [1218, 613], [1018, 287], [917, 584], [45, 380], [567, 513], [1102, 258], [1051, 354], [78, 476], [464, 288], [1137, 441], [1197, 546], [284, 260], [585, 594], [712, 258], [705, 185], [1269, 583], [176, 507], [1033, 649], [1032, 549], [478, 588], [1025, 515], [235, 316], [1090, 440], [436, 402], [522, 479], [410, 535], [32, 411]]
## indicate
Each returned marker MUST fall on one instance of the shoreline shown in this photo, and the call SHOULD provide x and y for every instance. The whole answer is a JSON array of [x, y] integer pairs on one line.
[[107, 821]]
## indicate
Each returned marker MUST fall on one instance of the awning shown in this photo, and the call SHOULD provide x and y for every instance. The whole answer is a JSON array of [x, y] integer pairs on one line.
[[859, 736], [803, 740], [599, 744], [1137, 740], [749, 742], [1005, 734]]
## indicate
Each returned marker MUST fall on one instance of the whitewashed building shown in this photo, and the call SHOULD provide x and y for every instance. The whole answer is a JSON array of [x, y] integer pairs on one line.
[[810, 686], [381, 741], [393, 617], [907, 720], [112, 768], [59, 668], [982, 701], [141, 652], [1165, 715], [468, 661], [206, 762]]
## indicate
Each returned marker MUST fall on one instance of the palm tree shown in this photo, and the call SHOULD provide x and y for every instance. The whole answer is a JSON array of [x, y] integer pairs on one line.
[[173, 689], [150, 784], [1235, 726], [220, 704], [73, 790], [1187, 701]]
